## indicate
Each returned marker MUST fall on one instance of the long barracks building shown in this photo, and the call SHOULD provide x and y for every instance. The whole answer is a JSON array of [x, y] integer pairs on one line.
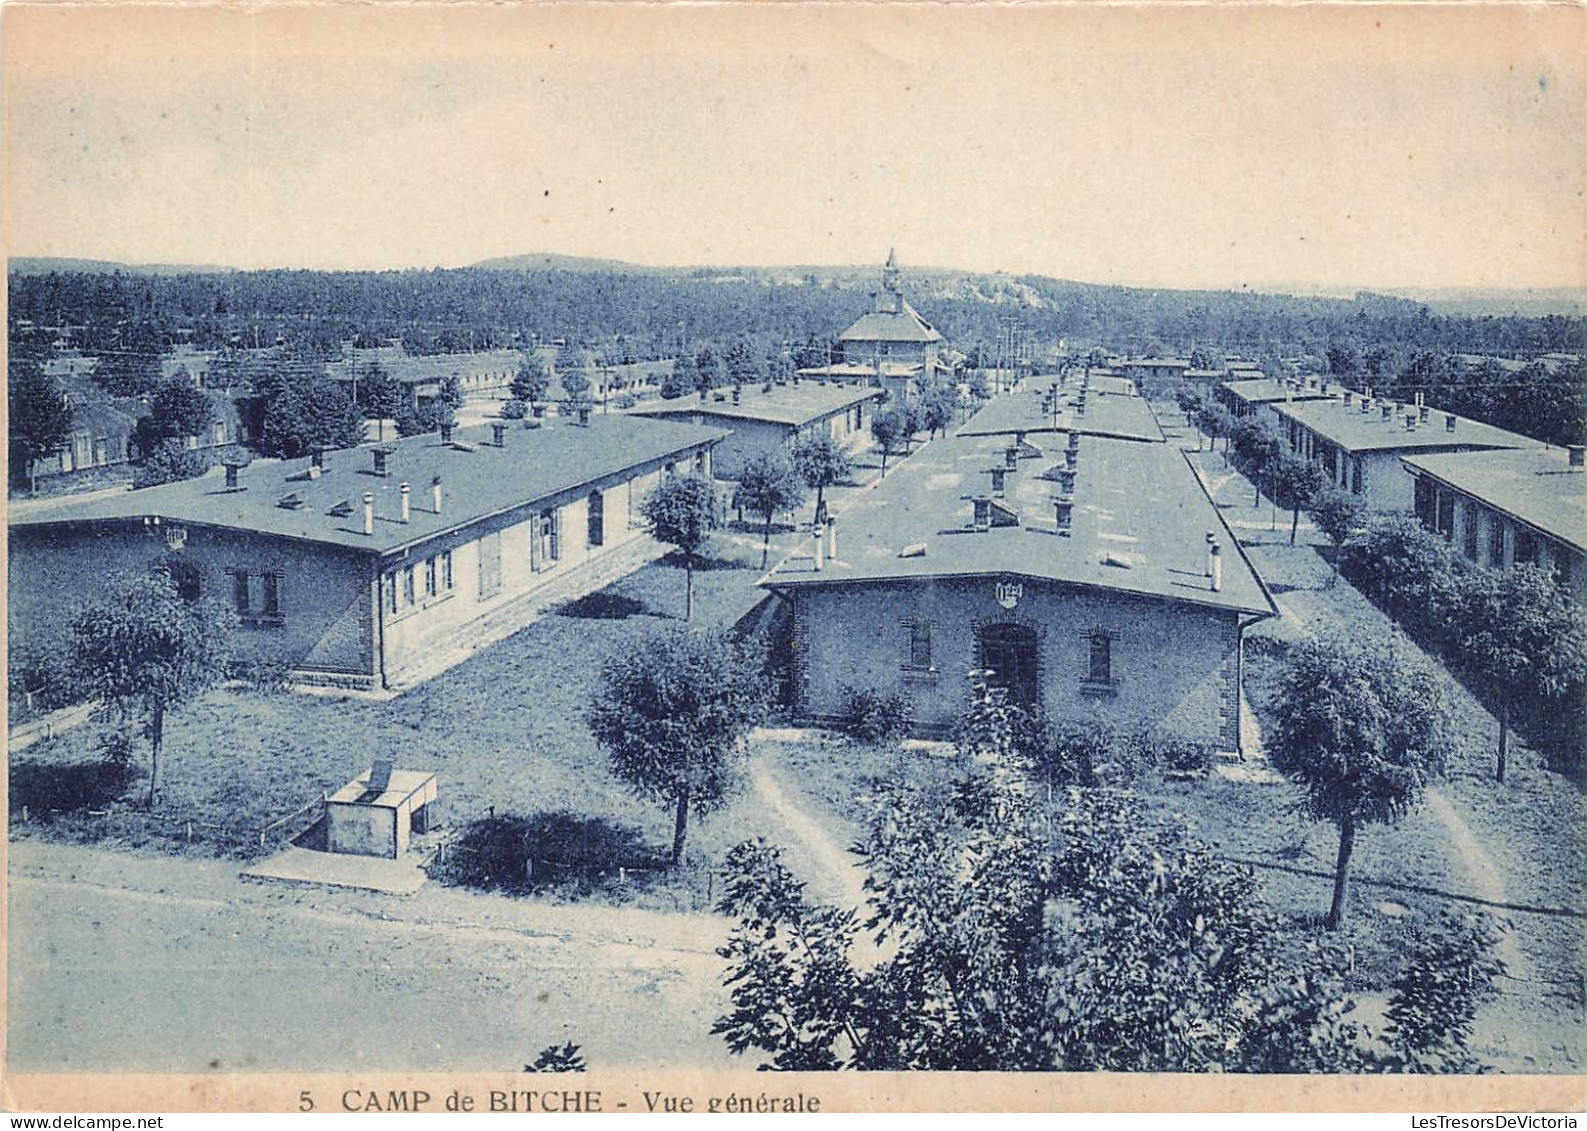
[[366, 567], [1092, 576]]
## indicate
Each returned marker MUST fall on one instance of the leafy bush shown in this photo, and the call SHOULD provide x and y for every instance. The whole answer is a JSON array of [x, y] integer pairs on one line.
[[1185, 756], [513, 410], [1405, 568], [1449, 975], [625, 401], [874, 716], [268, 675], [114, 746], [50, 677]]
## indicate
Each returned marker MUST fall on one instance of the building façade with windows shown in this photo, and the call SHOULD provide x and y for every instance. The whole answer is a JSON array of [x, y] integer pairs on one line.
[[1506, 508], [890, 347], [1358, 441], [1093, 577], [765, 420], [360, 567]]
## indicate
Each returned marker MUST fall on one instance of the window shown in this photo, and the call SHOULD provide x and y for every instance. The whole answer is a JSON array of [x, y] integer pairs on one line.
[[1425, 502], [407, 587], [272, 595], [188, 579], [1446, 514], [1101, 665], [920, 645], [490, 565], [446, 570], [388, 595], [1496, 541], [429, 577], [256, 596], [1525, 546], [1355, 475], [595, 533], [1469, 533]]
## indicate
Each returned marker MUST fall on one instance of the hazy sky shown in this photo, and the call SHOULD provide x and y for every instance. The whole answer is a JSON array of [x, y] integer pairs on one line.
[[1365, 146]]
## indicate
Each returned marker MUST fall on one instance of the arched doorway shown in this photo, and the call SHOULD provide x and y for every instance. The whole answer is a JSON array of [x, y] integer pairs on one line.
[[1009, 652]]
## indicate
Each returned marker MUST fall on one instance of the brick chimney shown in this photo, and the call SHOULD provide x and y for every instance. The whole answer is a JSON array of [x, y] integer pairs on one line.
[[1366, 403], [999, 478], [1066, 479], [1063, 512], [435, 494], [446, 432], [1422, 411], [1388, 411], [1011, 457], [317, 458], [379, 456], [1348, 395], [499, 435], [982, 519], [1410, 422], [1578, 457], [369, 512], [403, 493], [1449, 422], [738, 393], [584, 415]]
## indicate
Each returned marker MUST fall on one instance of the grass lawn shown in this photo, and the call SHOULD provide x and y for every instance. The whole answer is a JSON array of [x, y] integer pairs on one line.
[[502, 730]]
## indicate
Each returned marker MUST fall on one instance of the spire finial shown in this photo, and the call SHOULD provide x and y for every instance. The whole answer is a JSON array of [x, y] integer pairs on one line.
[[890, 272]]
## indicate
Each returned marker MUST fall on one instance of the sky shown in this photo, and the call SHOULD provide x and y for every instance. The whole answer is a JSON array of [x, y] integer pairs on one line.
[[1295, 147]]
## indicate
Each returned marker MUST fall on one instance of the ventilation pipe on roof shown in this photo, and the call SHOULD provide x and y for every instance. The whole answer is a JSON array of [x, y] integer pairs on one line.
[[1578, 457], [1388, 411], [821, 545], [1066, 479], [1449, 422], [1410, 422], [832, 537], [1011, 457], [1215, 553], [499, 435], [738, 393], [703, 394], [1348, 395], [1422, 411], [1212, 540], [403, 494], [435, 494], [1366, 404], [982, 517], [231, 476], [369, 512], [999, 478], [1063, 513]]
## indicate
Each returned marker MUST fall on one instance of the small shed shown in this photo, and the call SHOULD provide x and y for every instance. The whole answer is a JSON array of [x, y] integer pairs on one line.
[[376, 812]]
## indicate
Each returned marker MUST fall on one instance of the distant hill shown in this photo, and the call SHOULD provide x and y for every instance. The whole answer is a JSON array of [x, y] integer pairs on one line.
[[545, 261], [45, 264], [1530, 302]]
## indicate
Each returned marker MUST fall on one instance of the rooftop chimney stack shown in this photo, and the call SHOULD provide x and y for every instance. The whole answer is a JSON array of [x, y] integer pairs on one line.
[[1066, 479], [379, 456], [1388, 411], [999, 478], [231, 475], [1578, 457], [317, 458], [369, 512], [1423, 411], [1011, 457], [738, 393], [1410, 422], [1063, 513], [1211, 541], [446, 432], [983, 514], [1449, 422], [435, 494], [584, 415], [1348, 395], [821, 546], [499, 435], [404, 492], [1366, 404], [832, 537], [1215, 554]]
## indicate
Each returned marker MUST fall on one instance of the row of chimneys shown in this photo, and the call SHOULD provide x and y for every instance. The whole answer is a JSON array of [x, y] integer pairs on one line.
[[404, 506]]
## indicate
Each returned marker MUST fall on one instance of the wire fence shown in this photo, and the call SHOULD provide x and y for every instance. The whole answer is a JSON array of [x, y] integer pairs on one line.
[[184, 827]]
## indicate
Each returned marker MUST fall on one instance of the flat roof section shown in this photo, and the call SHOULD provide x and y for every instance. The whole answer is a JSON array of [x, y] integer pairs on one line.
[[478, 479], [1139, 524], [1118, 415], [1356, 431], [1264, 391], [792, 405], [1536, 486]]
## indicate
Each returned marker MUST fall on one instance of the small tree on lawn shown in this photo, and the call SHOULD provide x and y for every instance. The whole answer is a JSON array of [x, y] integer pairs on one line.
[[937, 406], [888, 430], [1525, 638], [1337, 514], [530, 384], [148, 649], [177, 410], [768, 483], [682, 511], [1361, 728], [673, 714], [1293, 483], [379, 395], [1257, 445], [821, 462]]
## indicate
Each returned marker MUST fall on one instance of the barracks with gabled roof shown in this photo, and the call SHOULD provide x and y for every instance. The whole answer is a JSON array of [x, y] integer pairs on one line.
[[364, 567], [1089, 405]]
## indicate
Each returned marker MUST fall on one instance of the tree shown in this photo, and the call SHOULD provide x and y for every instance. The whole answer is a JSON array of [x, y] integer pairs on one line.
[[888, 429], [1293, 482], [1256, 446], [531, 383], [1404, 567], [821, 462], [672, 714], [1526, 640], [768, 483], [1361, 728], [177, 410], [708, 369], [937, 406], [40, 421], [743, 367], [151, 650], [575, 387], [977, 385], [380, 396], [451, 394], [1013, 935], [168, 461], [682, 511], [301, 412], [431, 416], [1337, 514], [681, 380]]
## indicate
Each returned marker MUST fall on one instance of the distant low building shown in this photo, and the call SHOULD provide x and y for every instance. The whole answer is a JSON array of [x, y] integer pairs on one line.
[[422, 375], [767, 420], [1358, 441], [1082, 575], [1159, 378], [366, 567], [1501, 508]]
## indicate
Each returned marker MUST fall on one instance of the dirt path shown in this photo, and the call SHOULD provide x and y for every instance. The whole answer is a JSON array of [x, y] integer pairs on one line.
[[840, 879], [1487, 879]]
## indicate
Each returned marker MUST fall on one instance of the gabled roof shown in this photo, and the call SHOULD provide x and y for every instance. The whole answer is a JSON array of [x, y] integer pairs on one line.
[[1263, 391], [534, 464], [902, 325], [1535, 486], [791, 405], [1138, 526]]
